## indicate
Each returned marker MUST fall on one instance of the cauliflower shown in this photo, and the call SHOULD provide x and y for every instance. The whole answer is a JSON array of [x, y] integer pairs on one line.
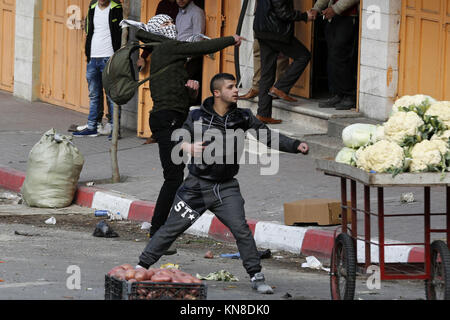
[[345, 156], [441, 145], [358, 135], [424, 154], [445, 136], [379, 133], [441, 110], [380, 157], [407, 101], [401, 125]]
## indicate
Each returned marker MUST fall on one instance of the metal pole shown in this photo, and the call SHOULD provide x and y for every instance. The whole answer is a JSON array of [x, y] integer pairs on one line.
[[448, 216], [367, 225], [354, 214], [344, 204], [381, 229], [116, 124], [427, 223]]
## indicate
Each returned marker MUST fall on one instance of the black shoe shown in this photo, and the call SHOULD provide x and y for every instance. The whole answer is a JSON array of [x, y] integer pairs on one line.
[[347, 103], [331, 103]]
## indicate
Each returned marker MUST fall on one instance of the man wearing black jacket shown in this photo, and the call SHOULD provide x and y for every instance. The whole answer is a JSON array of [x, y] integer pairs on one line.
[[170, 95], [274, 28], [211, 185]]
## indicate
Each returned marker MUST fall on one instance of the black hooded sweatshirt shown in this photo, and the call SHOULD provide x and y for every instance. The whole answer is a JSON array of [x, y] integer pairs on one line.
[[224, 138]]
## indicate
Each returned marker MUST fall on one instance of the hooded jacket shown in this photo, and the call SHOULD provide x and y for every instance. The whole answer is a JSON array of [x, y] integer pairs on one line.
[[275, 20], [231, 128], [115, 16]]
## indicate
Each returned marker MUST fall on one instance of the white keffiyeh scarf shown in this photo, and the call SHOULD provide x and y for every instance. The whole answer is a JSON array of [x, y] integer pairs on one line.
[[154, 26]]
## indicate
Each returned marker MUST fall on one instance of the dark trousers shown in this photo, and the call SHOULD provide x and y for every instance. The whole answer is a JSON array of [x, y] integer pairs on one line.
[[193, 198], [162, 124], [342, 41], [269, 54]]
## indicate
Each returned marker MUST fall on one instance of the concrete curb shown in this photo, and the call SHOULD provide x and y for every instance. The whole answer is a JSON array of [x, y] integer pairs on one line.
[[272, 235]]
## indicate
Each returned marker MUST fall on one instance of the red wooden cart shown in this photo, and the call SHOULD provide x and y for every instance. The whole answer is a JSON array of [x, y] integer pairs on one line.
[[435, 269]]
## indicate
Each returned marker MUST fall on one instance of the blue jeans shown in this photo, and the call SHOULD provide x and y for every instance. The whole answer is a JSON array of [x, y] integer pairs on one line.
[[94, 78]]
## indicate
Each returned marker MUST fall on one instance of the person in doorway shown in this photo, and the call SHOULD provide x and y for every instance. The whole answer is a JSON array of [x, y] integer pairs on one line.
[[169, 7], [104, 37], [190, 20], [170, 89], [211, 185], [341, 34], [274, 28], [191, 23], [282, 65]]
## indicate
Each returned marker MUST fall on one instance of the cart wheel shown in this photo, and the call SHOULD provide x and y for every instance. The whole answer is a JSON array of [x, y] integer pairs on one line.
[[343, 269], [438, 286]]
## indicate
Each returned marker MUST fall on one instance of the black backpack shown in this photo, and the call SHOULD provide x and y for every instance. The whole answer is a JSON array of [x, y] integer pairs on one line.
[[119, 76]]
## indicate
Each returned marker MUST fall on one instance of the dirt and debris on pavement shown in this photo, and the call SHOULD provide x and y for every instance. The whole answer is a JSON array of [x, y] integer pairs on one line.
[[75, 218], [131, 231]]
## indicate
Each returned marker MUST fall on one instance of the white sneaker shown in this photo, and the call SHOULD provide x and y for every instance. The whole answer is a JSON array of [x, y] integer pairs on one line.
[[104, 130], [81, 128]]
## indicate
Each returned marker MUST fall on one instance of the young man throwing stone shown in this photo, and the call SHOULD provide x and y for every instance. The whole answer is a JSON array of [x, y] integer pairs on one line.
[[210, 184]]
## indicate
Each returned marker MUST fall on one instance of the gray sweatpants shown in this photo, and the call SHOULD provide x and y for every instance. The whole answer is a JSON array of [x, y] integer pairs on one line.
[[193, 198]]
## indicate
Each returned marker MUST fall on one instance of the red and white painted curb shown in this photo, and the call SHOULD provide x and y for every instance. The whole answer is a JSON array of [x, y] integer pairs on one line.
[[272, 235]]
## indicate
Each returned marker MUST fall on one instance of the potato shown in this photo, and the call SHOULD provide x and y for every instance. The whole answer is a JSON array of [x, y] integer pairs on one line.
[[141, 275], [129, 274], [161, 278], [114, 270], [127, 266], [149, 274], [120, 274]]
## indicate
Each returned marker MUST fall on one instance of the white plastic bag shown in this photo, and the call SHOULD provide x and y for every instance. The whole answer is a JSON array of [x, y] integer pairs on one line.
[[313, 263], [53, 169]]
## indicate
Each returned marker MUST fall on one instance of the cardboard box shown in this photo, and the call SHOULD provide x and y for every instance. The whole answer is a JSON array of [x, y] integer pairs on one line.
[[320, 211]]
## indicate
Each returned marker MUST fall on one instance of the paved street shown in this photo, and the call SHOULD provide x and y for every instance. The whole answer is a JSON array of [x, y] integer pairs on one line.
[[36, 268], [36, 260]]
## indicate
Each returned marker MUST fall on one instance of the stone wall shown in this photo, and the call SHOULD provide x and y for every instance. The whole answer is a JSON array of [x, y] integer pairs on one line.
[[380, 45], [246, 49], [27, 49]]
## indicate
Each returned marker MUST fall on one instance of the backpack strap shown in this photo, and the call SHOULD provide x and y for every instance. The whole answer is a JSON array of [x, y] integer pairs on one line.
[[154, 75], [144, 46]]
